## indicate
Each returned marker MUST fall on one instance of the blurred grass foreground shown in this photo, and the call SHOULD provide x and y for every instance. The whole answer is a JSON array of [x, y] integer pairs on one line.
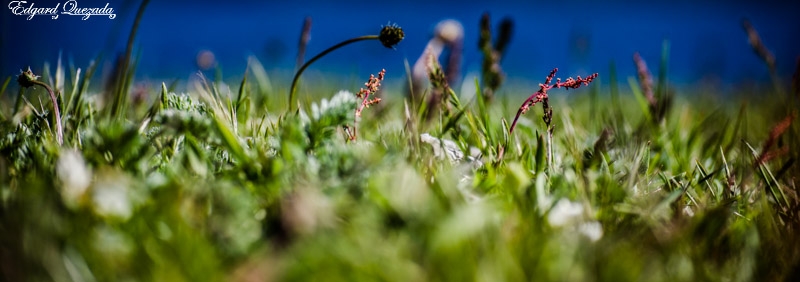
[[624, 183]]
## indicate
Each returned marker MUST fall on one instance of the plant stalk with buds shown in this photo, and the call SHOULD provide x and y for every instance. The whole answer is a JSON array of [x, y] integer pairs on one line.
[[372, 87], [389, 36], [541, 96]]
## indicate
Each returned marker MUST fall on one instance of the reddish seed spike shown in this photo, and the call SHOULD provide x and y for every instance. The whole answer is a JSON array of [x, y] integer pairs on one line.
[[540, 96]]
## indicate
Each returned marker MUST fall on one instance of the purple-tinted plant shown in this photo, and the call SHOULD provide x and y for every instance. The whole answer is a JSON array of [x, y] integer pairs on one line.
[[542, 97], [372, 87]]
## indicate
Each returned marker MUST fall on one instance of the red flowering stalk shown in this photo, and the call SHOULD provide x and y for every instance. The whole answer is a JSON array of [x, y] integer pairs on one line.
[[372, 86], [541, 96], [774, 134]]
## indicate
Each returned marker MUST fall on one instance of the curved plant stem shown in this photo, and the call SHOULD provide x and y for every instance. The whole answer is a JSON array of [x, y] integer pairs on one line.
[[59, 130], [296, 78]]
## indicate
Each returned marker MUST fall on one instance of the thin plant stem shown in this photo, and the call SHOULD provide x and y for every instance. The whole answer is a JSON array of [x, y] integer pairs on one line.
[[28, 79], [56, 112], [317, 57], [550, 148]]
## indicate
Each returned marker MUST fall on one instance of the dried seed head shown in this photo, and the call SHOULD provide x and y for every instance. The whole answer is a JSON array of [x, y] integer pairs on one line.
[[26, 78], [390, 35]]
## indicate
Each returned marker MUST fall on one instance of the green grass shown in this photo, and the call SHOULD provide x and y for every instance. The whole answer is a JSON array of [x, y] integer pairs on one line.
[[209, 185], [226, 183]]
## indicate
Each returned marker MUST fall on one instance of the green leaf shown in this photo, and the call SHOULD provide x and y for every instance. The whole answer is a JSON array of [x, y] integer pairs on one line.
[[640, 99]]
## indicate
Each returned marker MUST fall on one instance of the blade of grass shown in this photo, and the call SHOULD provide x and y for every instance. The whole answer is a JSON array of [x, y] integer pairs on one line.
[[661, 86], [59, 77], [75, 84], [730, 180], [5, 85], [541, 155], [640, 99], [772, 185], [242, 104], [230, 140], [124, 80], [704, 179], [3, 90], [83, 82], [614, 92]]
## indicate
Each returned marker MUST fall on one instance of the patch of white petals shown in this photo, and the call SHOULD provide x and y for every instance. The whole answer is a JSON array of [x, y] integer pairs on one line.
[[111, 196], [570, 216], [75, 176], [343, 98]]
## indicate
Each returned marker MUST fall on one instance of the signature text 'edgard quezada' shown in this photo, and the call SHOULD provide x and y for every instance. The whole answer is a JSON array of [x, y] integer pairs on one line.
[[22, 8]]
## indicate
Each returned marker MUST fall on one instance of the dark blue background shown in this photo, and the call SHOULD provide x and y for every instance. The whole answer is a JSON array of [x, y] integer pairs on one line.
[[706, 38]]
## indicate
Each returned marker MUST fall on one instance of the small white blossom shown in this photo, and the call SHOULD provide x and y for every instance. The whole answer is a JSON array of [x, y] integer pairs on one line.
[[565, 212], [592, 230], [571, 217], [449, 148], [74, 175], [341, 99], [687, 211], [444, 148], [111, 197]]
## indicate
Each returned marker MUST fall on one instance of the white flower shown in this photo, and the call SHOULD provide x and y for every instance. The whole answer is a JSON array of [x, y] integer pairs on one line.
[[341, 99], [687, 211], [74, 175], [565, 212], [592, 230], [112, 201], [442, 148], [111, 197], [570, 216], [449, 148]]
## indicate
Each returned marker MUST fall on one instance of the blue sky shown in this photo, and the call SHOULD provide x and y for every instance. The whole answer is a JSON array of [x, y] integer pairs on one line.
[[706, 38]]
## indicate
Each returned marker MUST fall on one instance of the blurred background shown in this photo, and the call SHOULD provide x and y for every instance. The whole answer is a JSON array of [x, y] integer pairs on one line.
[[707, 42]]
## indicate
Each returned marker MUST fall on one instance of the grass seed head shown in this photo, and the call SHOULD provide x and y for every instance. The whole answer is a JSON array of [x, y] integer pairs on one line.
[[391, 35], [26, 78], [541, 95]]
